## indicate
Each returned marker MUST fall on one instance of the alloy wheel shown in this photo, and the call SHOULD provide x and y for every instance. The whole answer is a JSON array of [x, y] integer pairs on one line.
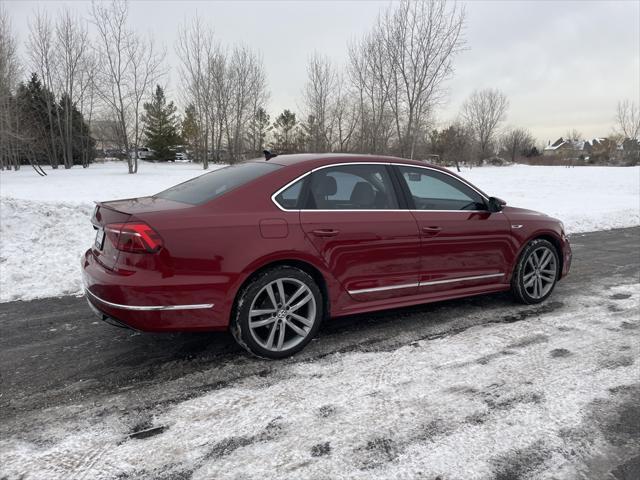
[[540, 272], [282, 314]]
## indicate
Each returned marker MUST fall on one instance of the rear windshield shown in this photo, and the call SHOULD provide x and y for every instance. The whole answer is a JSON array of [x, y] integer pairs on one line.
[[211, 185]]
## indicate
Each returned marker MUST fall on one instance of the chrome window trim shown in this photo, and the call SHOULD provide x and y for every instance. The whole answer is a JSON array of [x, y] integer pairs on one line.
[[273, 197], [150, 307], [424, 284]]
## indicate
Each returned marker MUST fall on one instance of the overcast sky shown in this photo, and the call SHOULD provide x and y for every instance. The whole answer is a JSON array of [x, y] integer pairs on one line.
[[563, 65]]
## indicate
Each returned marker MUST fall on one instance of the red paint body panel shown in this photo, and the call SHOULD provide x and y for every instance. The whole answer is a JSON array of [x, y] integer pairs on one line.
[[210, 250], [371, 249]]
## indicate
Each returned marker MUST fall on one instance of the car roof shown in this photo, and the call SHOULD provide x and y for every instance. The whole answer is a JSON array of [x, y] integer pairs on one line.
[[314, 160]]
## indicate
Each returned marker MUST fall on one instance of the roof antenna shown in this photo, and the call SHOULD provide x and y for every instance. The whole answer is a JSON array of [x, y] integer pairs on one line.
[[268, 155]]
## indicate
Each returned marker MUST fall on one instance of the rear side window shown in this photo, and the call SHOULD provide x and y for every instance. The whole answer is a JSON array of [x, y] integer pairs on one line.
[[211, 185], [290, 197], [352, 187]]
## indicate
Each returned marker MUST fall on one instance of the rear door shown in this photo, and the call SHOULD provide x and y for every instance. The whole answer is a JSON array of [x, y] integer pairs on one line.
[[462, 243], [353, 217]]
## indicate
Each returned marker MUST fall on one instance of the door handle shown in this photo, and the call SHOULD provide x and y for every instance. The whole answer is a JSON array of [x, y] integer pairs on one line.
[[434, 230], [325, 232]]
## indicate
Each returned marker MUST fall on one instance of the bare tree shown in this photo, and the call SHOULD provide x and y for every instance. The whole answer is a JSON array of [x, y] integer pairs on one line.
[[483, 111], [199, 59], [129, 67], [345, 116], [9, 74], [318, 95], [86, 101], [421, 40], [574, 135], [517, 141], [247, 82], [41, 47], [145, 71], [369, 73], [628, 119], [71, 46]]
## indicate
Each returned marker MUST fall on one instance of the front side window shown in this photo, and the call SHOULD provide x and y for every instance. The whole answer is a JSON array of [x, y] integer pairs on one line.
[[352, 187], [433, 190], [211, 185]]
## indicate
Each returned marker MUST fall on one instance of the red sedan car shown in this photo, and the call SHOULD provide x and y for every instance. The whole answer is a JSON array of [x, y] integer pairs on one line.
[[268, 249]]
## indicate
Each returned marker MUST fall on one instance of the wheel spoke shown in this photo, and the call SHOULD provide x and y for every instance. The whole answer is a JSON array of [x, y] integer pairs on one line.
[[261, 311], [540, 287], [547, 258], [261, 323], [296, 329], [530, 262], [303, 320], [528, 276], [302, 302], [529, 282], [281, 291], [272, 296], [299, 292], [547, 278], [271, 336], [281, 336]]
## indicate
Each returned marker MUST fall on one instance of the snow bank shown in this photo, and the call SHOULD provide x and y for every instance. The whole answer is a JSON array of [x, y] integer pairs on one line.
[[44, 221]]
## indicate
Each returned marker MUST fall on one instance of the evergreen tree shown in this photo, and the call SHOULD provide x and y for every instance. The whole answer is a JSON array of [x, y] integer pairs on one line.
[[35, 127], [161, 125], [190, 129], [82, 144], [258, 130], [285, 132]]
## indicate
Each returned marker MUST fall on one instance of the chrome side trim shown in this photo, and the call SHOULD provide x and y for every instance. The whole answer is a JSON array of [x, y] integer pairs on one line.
[[273, 197], [150, 307], [382, 289], [462, 279], [423, 284]]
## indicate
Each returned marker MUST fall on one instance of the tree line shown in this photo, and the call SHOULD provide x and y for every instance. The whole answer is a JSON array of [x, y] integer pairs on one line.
[[383, 100]]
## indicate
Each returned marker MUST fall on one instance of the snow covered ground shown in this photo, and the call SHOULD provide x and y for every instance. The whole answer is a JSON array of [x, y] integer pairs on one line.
[[544, 392], [44, 221]]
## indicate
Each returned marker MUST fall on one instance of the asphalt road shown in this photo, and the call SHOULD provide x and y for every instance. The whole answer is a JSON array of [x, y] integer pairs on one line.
[[55, 352]]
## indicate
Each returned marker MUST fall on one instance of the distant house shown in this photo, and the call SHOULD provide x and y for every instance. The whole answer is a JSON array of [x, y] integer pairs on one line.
[[565, 148], [600, 150]]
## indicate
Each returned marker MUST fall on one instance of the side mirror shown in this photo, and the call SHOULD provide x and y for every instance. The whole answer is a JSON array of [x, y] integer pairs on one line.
[[496, 204]]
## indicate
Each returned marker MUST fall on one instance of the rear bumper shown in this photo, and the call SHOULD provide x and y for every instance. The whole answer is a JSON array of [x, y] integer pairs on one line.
[[147, 301]]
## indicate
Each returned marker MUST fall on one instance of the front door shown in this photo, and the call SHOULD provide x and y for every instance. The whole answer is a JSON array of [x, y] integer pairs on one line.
[[463, 244], [353, 218]]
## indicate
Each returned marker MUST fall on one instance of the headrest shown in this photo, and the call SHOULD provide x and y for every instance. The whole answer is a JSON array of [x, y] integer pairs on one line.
[[363, 195], [324, 185]]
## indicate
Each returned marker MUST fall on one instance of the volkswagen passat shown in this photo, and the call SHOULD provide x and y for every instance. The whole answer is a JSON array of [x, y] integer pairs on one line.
[[268, 249]]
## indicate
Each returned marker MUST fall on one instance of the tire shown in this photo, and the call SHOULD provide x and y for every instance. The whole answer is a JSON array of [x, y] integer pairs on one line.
[[266, 326], [536, 273]]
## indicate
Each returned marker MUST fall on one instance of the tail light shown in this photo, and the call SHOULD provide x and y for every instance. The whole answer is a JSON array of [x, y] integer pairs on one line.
[[134, 237]]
